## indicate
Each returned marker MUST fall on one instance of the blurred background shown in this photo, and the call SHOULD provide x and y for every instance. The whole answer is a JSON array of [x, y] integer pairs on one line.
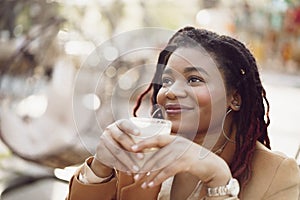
[[45, 43]]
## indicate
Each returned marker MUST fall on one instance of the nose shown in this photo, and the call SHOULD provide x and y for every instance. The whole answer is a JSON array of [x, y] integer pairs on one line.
[[176, 90]]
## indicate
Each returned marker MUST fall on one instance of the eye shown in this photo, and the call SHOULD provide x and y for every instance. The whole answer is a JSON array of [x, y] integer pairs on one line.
[[195, 80], [167, 81]]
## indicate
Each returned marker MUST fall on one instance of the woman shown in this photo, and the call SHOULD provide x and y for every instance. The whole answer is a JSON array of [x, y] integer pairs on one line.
[[203, 111]]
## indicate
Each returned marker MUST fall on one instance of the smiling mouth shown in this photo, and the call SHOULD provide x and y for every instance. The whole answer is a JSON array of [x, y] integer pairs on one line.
[[173, 109]]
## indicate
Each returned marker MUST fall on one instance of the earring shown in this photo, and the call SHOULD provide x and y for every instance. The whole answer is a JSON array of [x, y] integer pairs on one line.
[[223, 132], [236, 105]]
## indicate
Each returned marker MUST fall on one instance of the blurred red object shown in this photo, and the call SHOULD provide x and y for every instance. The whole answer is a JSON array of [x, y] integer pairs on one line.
[[292, 20]]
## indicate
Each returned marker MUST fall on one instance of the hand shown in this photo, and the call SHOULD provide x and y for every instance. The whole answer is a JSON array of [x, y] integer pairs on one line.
[[114, 149], [178, 154]]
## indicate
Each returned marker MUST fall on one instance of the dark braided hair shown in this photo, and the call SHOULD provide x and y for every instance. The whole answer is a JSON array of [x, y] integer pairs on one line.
[[240, 71]]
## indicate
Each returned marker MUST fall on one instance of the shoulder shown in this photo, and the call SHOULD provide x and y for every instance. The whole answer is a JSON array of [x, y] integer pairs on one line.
[[272, 172], [270, 159], [275, 163]]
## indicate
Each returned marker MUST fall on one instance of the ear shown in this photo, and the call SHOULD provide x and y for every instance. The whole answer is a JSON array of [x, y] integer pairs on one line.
[[235, 101]]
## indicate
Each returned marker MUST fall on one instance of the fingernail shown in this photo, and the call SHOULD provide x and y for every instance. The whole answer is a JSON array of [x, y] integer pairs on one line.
[[136, 177], [135, 168], [135, 131], [140, 156], [144, 185], [148, 174], [134, 147], [151, 184]]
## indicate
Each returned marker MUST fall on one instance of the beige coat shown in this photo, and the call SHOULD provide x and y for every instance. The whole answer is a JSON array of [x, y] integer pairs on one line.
[[274, 176]]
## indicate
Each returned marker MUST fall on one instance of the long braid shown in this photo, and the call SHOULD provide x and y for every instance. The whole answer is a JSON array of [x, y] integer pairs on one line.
[[258, 127], [245, 119]]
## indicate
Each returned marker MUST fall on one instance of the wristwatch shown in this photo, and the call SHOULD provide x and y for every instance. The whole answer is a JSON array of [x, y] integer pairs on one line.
[[232, 189]]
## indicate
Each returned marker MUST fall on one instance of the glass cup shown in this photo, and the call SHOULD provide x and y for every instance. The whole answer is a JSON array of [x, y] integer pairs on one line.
[[149, 127]]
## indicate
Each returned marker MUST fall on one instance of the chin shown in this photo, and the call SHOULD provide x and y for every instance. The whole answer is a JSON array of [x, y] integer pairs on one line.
[[184, 127]]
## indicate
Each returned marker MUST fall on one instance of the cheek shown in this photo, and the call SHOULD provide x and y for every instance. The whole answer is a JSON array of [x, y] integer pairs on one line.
[[203, 97], [203, 100]]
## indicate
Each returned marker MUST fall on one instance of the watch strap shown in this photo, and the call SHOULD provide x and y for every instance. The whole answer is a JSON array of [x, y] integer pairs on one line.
[[232, 189]]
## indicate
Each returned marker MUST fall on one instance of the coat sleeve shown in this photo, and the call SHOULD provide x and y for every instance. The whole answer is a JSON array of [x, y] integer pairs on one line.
[[79, 190], [286, 182]]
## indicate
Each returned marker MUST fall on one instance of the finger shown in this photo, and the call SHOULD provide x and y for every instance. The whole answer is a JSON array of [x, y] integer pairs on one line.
[[166, 155], [158, 177], [140, 176], [127, 126], [123, 157], [120, 137], [105, 156], [147, 178], [160, 159], [157, 141]]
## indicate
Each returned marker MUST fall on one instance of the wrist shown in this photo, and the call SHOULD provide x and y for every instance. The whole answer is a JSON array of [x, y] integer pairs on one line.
[[100, 169], [219, 172], [218, 179], [88, 176], [221, 185]]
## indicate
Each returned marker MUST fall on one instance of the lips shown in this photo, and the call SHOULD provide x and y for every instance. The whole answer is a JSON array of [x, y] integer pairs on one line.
[[173, 108]]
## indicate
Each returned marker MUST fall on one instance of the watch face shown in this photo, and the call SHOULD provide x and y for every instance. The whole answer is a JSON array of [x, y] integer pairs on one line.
[[233, 187]]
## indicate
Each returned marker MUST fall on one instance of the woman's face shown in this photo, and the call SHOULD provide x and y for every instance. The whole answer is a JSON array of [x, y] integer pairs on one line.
[[192, 92]]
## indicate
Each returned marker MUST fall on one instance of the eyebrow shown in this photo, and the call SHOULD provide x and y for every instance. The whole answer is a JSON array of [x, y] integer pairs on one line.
[[193, 69], [187, 70]]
